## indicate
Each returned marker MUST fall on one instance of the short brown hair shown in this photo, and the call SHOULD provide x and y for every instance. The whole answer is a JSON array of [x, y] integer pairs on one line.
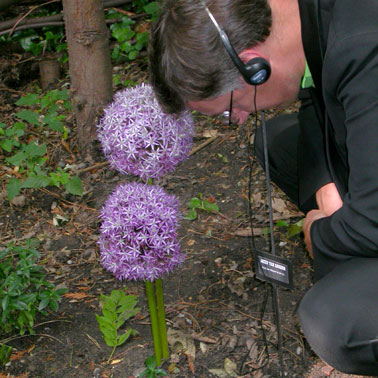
[[187, 60]]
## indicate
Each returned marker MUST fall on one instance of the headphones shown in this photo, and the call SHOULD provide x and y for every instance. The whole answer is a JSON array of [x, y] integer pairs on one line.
[[256, 71]]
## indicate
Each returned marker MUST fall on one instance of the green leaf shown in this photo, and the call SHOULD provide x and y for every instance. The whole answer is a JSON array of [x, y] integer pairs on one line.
[[13, 188], [74, 186], [44, 302], [18, 129], [191, 215], [32, 149], [282, 223], [17, 158], [151, 362], [295, 229], [194, 203], [152, 8], [122, 33], [210, 206], [38, 181], [51, 120], [6, 145], [133, 54], [124, 337], [29, 99], [29, 116], [5, 353]]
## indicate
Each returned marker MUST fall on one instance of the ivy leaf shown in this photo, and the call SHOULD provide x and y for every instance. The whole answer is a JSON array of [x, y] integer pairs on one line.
[[74, 186], [29, 116]]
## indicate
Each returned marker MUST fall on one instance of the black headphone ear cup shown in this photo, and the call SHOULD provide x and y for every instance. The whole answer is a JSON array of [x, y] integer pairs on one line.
[[257, 71]]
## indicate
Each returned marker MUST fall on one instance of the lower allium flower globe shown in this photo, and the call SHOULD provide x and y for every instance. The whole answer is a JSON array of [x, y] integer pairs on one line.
[[138, 234], [138, 138]]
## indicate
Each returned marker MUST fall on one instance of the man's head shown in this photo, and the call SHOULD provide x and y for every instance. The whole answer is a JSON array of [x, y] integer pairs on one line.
[[190, 67], [188, 61]]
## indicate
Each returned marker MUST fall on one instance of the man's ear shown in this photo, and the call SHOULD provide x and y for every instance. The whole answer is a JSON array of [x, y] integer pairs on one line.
[[254, 67]]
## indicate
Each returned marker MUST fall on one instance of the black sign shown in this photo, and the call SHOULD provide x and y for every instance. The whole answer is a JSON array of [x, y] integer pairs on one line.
[[273, 269]]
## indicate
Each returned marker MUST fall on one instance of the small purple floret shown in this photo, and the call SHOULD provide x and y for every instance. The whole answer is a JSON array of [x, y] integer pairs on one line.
[[138, 234], [139, 139]]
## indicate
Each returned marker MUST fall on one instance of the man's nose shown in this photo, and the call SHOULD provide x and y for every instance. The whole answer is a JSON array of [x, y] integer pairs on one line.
[[239, 116]]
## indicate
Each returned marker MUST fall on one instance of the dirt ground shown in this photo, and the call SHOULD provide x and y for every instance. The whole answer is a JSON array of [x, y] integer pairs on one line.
[[219, 316]]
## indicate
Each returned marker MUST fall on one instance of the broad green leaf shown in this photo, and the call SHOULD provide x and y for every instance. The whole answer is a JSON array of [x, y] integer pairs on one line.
[[51, 120], [6, 145], [210, 206], [13, 188], [17, 158], [295, 229], [191, 215], [44, 303], [74, 186], [282, 223], [126, 46], [29, 99], [18, 129], [29, 116], [32, 149], [122, 33], [133, 54], [151, 8], [194, 203], [36, 182]]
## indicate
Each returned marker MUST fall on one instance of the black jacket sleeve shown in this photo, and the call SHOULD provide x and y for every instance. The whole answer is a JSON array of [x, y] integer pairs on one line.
[[350, 79]]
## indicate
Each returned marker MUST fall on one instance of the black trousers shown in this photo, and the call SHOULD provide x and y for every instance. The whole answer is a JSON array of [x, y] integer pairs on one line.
[[339, 314]]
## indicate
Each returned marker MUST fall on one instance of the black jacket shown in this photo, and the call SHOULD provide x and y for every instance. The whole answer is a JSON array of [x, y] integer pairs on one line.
[[340, 39]]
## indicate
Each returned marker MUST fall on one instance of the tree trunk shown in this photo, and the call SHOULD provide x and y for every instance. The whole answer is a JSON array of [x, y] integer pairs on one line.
[[89, 62]]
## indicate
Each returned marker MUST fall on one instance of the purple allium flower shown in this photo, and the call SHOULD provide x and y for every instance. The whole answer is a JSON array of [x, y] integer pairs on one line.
[[138, 234], [138, 138]]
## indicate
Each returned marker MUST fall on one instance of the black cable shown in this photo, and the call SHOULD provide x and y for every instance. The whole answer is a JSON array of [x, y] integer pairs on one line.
[[272, 242]]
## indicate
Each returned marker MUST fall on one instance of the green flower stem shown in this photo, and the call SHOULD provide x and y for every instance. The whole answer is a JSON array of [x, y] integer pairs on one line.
[[161, 317], [154, 321]]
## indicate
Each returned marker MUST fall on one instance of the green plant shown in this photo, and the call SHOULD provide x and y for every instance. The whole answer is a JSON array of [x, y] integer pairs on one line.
[[292, 229], [152, 370], [5, 353], [24, 291], [38, 43], [130, 40], [43, 114], [198, 203], [116, 309]]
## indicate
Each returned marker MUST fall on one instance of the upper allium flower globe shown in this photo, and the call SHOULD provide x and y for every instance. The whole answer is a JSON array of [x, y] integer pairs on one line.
[[138, 138], [138, 238]]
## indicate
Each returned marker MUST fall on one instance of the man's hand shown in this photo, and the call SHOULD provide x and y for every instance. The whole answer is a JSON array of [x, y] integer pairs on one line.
[[311, 216], [329, 201]]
